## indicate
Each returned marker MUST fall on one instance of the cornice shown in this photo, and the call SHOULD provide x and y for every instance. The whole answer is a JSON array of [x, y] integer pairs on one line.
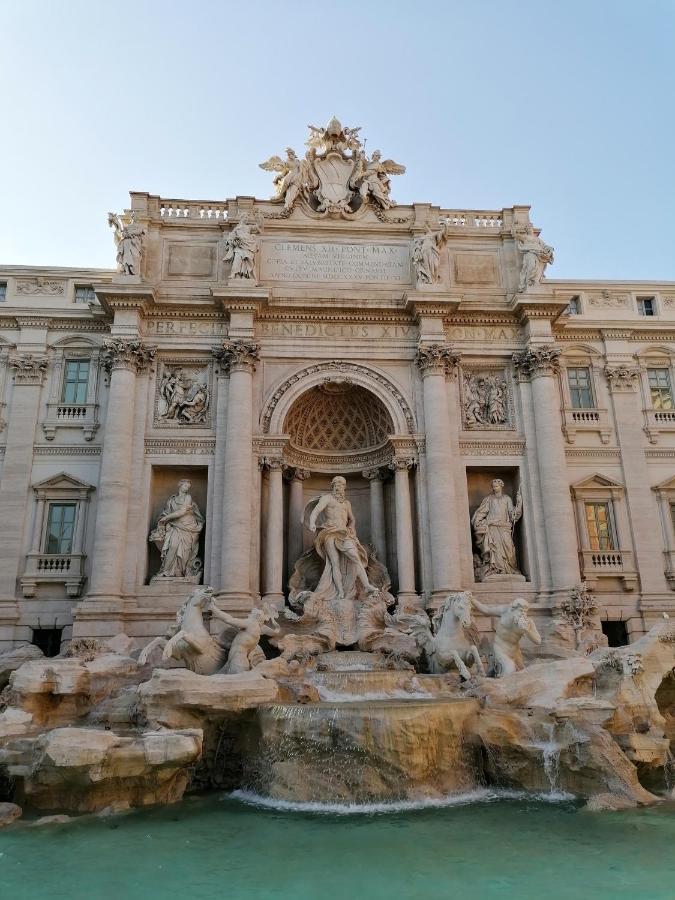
[[478, 447]]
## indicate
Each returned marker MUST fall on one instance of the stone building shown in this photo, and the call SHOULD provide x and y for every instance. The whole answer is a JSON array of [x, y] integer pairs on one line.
[[259, 348]]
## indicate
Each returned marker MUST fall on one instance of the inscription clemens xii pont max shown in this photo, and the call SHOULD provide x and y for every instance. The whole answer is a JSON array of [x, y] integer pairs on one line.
[[374, 263]]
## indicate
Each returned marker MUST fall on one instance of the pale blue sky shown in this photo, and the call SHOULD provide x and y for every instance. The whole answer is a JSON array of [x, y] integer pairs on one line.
[[568, 106]]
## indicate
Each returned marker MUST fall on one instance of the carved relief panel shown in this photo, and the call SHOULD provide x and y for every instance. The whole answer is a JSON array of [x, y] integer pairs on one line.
[[183, 393], [487, 399]]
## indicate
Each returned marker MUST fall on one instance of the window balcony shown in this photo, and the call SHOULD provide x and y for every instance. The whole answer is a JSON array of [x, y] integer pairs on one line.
[[53, 568], [71, 415], [596, 564], [658, 421], [589, 420]]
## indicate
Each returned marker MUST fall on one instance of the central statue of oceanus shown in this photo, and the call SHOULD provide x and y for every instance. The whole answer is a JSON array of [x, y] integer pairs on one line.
[[338, 574]]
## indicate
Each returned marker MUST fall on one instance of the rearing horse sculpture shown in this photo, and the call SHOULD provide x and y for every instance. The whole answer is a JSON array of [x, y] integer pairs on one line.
[[451, 640]]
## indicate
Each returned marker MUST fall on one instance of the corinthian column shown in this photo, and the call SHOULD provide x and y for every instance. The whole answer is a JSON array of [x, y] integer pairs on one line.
[[124, 358], [274, 533], [436, 362], [238, 358], [295, 508], [29, 370], [405, 555], [377, 527], [540, 366]]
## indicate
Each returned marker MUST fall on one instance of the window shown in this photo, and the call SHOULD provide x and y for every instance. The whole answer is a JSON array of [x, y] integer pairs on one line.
[[84, 293], [75, 381], [48, 640], [646, 306], [574, 307], [600, 529], [615, 632], [581, 394], [3, 291], [60, 528], [660, 389]]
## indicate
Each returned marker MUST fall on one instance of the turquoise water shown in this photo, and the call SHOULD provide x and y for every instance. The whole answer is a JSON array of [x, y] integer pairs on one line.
[[223, 848]]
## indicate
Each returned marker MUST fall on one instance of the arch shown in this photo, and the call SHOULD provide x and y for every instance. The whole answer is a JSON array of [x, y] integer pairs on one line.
[[80, 341], [287, 391], [579, 349]]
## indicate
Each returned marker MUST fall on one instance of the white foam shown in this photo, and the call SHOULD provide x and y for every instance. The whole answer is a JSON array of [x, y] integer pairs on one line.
[[481, 795]]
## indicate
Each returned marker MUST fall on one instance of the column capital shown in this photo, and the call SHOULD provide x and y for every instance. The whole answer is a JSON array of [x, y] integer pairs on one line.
[[622, 379], [535, 362], [237, 356], [402, 462], [298, 474], [376, 474], [29, 368], [272, 463], [437, 359], [127, 353]]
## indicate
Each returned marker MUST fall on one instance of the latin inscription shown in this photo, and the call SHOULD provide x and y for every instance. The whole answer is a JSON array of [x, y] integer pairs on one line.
[[336, 330], [367, 263], [185, 326]]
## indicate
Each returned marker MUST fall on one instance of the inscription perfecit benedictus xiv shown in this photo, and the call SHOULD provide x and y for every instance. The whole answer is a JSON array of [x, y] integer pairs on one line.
[[368, 263]]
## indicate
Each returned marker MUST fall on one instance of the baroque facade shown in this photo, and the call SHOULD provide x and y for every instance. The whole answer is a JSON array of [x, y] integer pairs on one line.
[[166, 423]]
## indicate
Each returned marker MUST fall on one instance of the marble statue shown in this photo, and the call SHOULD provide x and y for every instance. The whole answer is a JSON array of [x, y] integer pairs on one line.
[[181, 399], [338, 573], [513, 624], [245, 652], [291, 178], [176, 536], [189, 641], [536, 256], [241, 246], [485, 400], [374, 182], [129, 243], [335, 177], [493, 524], [426, 255], [452, 638]]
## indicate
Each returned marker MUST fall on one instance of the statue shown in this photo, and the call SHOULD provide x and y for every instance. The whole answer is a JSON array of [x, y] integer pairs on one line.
[[536, 256], [182, 400], [189, 641], [338, 574], [292, 176], [335, 177], [493, 524], [452, 638], [426, 256], [176, 536], [241, 245], [129, 243], [245, 652], [374, 179], [514, 623], [484, 400]]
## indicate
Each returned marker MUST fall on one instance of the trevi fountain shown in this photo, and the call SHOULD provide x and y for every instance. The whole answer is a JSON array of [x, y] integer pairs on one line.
[[325, 579]]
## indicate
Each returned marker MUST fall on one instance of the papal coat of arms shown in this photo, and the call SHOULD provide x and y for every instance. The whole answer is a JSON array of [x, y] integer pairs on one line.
[[335, 177]]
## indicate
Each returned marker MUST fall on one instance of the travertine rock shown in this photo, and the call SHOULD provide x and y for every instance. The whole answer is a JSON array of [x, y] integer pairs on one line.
[[86, 769], [14, 722], [13, 659], [542, 684], [9, 812], [177, 698]]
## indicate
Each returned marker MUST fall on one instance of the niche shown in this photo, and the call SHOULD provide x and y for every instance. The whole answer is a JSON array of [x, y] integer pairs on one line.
[[164, 483], [479, 485], [615, 631]]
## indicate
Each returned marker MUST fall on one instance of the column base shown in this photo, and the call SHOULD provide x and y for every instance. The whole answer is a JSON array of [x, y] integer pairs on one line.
[[409, 601], [277, 600], [236, 601]]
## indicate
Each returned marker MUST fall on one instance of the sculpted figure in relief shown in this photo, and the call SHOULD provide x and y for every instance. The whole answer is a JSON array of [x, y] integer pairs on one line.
[[129, 242], [291, 178], [241, 245], [374, 176], [485, 399], [536, 256], [514, 623], [426, 255], [493, 524], [176, 535], [182, 400], [244, 652]]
